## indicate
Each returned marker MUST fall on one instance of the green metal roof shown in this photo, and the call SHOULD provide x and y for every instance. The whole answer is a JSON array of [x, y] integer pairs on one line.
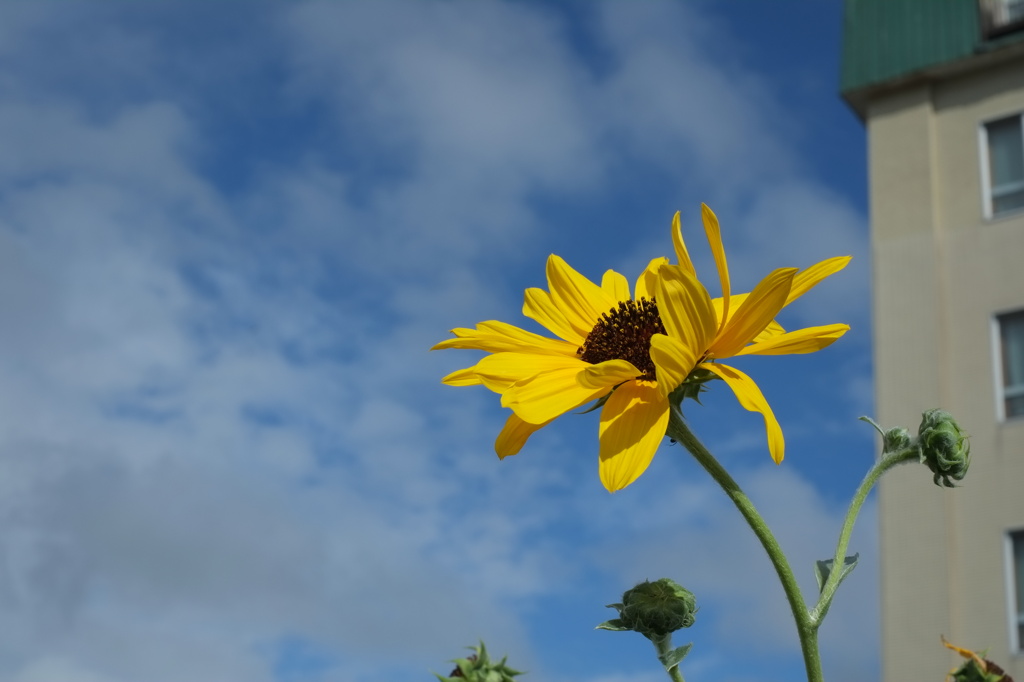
[[886, 39]]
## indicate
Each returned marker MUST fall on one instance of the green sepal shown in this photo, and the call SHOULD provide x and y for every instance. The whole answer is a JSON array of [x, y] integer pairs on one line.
[[479, 668], [599, 403], [822, 569], [692, 387], [970, 672], [615, 625], [673, 658]]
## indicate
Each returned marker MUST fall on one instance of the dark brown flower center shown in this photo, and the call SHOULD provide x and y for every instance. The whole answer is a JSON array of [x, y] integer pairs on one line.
[[624, 333]]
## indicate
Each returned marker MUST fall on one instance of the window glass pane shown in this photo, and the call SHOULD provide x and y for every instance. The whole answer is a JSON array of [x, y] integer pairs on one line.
[[1018, 569], [1011, 332], [1015, 406], [1011, 341], [1014, 10], [1008, 202], [1005, 152]]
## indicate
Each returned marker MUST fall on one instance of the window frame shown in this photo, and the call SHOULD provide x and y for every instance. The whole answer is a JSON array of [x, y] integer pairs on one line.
[[991, 28], [997, 367], [986, 179]]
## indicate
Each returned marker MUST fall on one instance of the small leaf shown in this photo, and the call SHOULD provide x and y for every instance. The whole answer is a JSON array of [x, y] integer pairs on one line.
[[822, 569], [869, 420], [673, 658], [615, 624]]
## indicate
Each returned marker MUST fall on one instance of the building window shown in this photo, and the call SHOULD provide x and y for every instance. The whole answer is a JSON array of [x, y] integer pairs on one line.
[[1004, 146], [1016, 584], [999, 17], [1011, 358]]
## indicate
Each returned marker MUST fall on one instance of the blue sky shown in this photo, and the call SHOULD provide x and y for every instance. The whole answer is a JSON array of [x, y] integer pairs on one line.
[[229, 233]]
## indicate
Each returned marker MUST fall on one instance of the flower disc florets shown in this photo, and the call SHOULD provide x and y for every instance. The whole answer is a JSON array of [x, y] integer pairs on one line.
[[944, 447], [624, 333]]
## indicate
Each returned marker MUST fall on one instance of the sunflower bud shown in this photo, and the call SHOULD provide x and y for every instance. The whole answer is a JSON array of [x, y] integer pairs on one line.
[[654, 609], [895, 440], [944, 447], [976, 668], [478, 667]]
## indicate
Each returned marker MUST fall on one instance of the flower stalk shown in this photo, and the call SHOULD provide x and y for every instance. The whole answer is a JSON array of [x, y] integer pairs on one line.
[[663, 645], [828, 589], [807, 630]]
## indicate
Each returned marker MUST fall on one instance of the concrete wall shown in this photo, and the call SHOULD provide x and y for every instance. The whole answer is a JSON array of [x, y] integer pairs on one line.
[[941, 271]]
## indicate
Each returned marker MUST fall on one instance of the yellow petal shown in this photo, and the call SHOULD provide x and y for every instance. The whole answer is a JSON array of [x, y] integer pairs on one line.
[[806, 279], [750, 319], [685, 308], [645, 283], [966, 653], [498, 337], [501, 370], [462, 377], [682, 255], [581, 301], [806, 340], [751, 399], [607, 374], [673, 362], [615, 285], [714, 233], [513, 436], [773, 329], [538, 306], [633, 422], [543, 397], [735, 301]]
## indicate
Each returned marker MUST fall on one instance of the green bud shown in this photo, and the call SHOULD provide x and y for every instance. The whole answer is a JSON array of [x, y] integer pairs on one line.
[[654, 609], [478, 667], [971, 671], [944, 447], [895, 440], [976, 668]]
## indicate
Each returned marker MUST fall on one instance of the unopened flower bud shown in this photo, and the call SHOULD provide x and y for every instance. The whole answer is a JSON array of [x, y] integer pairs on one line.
[[478, 667], [895, 440], [654, 609], [944, 447], [976, 668]]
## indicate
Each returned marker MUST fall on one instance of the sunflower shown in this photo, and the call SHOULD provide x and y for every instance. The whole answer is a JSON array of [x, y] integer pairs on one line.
[[631, 352], [700, 330], [602, 353]]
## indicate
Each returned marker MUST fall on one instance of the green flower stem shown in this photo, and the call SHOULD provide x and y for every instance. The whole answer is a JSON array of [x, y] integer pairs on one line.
[[806, 629], [663, 645], [828, 590]]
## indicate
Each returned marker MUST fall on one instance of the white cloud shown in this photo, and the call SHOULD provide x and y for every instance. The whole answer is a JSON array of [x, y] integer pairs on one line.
[[706, 546], [711, 122], [221, 426]]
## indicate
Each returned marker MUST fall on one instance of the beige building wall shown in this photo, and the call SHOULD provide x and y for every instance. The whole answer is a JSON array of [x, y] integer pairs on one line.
[[941, 273]]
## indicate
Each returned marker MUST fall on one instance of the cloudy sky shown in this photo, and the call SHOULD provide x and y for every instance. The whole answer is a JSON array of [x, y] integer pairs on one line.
[[229, 232]]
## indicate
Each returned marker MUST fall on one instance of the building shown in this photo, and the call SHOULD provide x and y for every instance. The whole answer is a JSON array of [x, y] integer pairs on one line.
[[939, 85]]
